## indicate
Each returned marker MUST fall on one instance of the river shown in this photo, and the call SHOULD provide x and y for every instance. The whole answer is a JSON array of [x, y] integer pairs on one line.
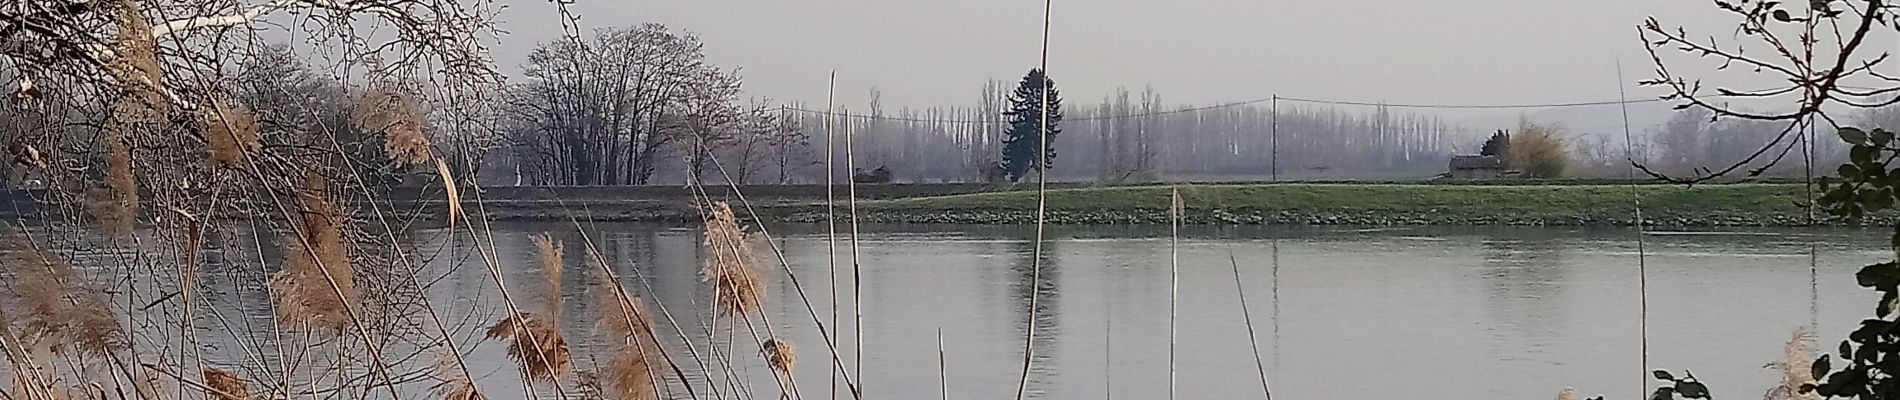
[[1337, 312]]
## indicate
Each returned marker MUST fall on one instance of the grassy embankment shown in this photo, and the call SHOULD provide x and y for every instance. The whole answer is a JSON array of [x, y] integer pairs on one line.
[[1387, 204]]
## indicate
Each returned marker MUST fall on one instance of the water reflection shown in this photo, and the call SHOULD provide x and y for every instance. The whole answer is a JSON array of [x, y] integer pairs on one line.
[[1348, 312], [1525, 277], [1036, 293]]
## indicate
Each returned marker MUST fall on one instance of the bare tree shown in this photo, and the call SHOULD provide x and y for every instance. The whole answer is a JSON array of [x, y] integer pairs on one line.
[[162, 125], [709, 116], [1816, 49], [607, 111], [761, 140]]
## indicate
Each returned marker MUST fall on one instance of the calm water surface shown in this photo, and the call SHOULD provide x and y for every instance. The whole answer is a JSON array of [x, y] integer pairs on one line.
[[1490, 313]]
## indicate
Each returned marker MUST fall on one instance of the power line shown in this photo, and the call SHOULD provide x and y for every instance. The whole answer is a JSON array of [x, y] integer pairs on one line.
[[1472, 106], [1242, 103]]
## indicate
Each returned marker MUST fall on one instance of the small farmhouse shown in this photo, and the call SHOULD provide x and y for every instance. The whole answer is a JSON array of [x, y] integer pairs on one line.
[[1476, 167]]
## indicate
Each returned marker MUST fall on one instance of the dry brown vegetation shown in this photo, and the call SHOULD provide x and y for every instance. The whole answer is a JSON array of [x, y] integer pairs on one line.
[[461, 389], [116, 208], [1796, 368], [780, 355], [317, 287], [551, 255], [125, 105], [1539, 151], [536, 343], [230, 133], [226, 385], [730, 264], [536, 337], [634, 353], [59, 311], [396, 115], [136, 65]]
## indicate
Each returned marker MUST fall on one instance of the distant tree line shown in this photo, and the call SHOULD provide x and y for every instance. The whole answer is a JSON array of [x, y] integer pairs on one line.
[[1137, 137], [1692, 141], [642, 105]]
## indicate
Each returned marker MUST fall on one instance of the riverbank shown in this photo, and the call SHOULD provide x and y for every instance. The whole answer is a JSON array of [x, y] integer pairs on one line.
[[1774, 204], [1573, 204]]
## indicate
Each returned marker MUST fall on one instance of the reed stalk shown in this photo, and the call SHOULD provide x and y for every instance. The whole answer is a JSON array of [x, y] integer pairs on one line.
[[857, 275], [634, 350], [831, 225], [536, 337], [1174, 281], [791, 275], [1042, 209], [1253, 340]]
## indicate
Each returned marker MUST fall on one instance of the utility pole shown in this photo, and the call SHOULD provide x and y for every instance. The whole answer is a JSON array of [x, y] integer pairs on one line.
[[1274, 125]]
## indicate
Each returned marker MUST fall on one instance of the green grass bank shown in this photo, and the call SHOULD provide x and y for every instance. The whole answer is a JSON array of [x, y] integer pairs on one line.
[[1759, 204]]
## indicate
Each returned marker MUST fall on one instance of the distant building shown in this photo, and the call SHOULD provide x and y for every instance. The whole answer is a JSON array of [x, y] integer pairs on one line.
[[1476, 167]]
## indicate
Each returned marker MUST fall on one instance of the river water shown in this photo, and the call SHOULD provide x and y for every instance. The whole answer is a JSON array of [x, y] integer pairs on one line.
[[1426, 312]]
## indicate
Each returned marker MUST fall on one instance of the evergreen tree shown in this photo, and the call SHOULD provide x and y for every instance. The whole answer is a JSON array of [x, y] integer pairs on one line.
[[1498, 146], [1026, 135]]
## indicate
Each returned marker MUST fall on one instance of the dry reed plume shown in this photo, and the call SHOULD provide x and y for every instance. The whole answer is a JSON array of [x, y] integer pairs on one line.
[[456, 382], [629, 372], [116, 208], [135, 65], [318, 284], [730, 264], [230, 132], [1796, 369], [148, 387], [26, 155], [551, 255], [453, 195], [537, 341], [461, 389], [225, 385], [26, 92], [396, 115], [60, 313], [1567, 394], [780, 355], [537, 344]]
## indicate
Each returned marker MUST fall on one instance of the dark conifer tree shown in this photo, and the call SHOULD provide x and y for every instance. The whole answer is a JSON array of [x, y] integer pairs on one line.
[[1498, 146], [1026, 135]]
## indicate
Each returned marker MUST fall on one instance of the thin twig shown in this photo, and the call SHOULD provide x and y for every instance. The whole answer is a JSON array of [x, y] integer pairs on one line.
[[831, 225], [943, 367], [857, 276], [1252, 338], [1042, 208], [1174, 281]]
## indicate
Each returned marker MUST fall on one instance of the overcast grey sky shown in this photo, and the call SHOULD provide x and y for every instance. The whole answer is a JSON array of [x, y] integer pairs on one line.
[[938, 52]]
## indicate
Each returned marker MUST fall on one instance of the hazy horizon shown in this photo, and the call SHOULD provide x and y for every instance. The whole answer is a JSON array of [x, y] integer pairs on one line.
[[935, 53]]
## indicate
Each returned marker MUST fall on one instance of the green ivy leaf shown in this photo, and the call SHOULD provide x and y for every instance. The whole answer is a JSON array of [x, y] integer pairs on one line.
[[1862, 154], [1853, 136], [1880, 137], [1664, 375], [1896, 238], [1692, 390], [1782, 15], [1885, 307], [1820, 368], [1883, 276], [1877, 200], [1663, 393], [1849, 172]]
